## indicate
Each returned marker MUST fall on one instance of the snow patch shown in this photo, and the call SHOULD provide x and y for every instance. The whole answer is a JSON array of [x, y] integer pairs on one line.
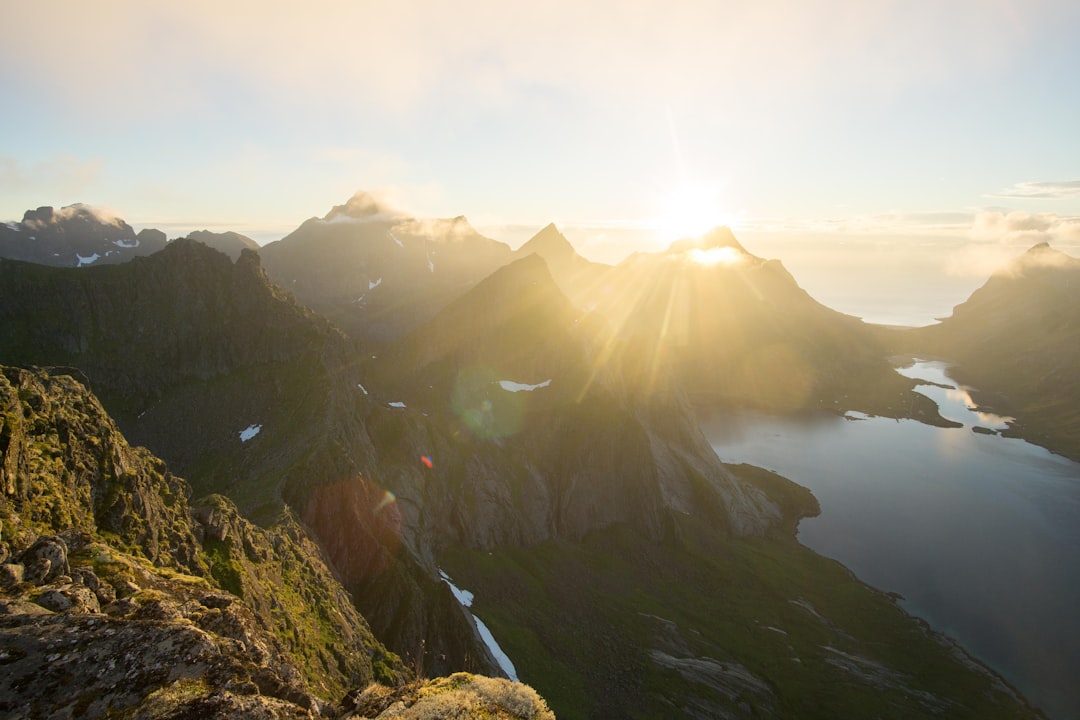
[[463, 596], [511, 386], [396, 404], [249, 432], [466, 599], [500, 657], [430, 265], [362, 388], [372, 285], [12, 226], [87, 260], [126, 243], [395, 239]]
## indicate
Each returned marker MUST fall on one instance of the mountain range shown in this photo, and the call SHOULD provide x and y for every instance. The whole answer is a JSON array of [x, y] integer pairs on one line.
[[427, 410]]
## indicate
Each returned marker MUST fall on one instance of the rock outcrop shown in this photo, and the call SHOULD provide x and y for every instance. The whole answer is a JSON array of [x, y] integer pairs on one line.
[[118, 595]]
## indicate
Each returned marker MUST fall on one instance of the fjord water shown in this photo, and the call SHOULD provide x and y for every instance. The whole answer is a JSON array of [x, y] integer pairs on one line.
[[979, 533]]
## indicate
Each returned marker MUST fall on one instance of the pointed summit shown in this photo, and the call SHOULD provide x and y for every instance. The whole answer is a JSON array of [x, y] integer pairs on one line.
[[549, 244], [1040, 255]]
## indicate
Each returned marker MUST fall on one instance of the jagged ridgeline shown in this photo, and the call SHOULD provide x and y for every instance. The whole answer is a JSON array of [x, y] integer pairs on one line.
[[525, 448]]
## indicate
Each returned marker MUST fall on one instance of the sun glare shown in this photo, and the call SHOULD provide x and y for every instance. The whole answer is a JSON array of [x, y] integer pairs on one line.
[[716, 256], [690, 211]]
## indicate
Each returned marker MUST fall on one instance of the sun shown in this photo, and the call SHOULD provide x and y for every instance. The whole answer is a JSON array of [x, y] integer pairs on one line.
[[691, 210]]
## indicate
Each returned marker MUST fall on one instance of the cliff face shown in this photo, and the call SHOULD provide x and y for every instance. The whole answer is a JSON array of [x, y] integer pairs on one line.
[[116, 592]]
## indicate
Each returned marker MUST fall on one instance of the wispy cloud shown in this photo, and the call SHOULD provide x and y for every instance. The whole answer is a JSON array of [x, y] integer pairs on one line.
[[1067, 188], [1023, 228]]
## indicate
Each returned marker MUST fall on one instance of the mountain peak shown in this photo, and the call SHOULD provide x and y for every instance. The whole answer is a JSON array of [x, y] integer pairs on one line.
[[1040, 255], [363, 206], [548, 243]]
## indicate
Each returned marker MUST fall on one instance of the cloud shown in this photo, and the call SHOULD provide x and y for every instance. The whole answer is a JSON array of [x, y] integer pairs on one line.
[[391, 56], [1023, 228], [1067, 188], [102, 215]]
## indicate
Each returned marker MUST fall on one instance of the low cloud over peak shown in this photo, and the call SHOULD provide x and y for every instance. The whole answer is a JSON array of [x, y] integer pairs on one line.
[[1023, 228]]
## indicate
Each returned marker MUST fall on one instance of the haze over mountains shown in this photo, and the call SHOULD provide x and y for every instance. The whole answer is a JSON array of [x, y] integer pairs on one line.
[[427, 403]]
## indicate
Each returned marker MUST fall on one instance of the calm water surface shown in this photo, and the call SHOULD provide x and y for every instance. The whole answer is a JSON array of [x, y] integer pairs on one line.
[[979, 533]]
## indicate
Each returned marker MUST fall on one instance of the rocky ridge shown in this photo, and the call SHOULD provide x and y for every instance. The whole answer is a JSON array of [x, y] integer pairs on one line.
[[119, 595]]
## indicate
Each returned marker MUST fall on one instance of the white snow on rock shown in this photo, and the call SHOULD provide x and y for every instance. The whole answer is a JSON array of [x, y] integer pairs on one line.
[[511, 386], [466, 599], [362, 388], [126, 243], [395, 239], [372, 285], [249, 432], [463, 596], [500, 657], [87, 260], [396, 404], [430, 265], [12, 226]]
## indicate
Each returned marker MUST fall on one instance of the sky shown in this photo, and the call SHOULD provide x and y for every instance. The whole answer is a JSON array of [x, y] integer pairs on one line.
[[801, 124]]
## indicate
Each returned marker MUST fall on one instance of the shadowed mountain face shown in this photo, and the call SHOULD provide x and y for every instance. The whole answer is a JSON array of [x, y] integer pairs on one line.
[[1017, 341], [579, 279], [230, 243], [75, 236], [376, 273]]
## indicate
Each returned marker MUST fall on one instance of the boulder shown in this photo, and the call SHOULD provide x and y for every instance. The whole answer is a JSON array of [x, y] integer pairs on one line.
[[45, 560]]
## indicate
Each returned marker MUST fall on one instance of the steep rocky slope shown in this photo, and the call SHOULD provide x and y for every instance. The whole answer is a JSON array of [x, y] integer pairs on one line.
[[1016, 340], [75, 236], [118, 594]]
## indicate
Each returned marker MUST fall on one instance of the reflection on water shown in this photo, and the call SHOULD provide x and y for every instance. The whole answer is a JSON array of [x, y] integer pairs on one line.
[[979, 533], [954, 401]]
